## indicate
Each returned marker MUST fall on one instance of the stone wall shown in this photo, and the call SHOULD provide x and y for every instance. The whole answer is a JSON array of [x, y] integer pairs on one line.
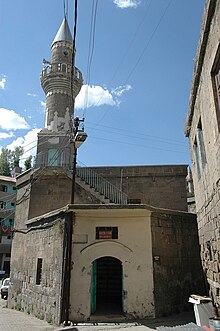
[[158, 186], [41, 191], [177, 267], [206, 173], [43, 300]]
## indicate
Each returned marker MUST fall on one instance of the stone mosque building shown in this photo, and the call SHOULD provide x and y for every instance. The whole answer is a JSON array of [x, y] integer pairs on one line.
[[126, 247]]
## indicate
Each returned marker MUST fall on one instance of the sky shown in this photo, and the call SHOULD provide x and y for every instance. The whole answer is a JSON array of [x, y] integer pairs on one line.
[[141, 55]]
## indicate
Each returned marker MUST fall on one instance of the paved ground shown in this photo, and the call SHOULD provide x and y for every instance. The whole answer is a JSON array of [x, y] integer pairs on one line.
[[12, 320]]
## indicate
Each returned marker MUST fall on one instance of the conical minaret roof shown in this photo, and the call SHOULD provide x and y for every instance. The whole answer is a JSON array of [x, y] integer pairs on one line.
[[64, 33]]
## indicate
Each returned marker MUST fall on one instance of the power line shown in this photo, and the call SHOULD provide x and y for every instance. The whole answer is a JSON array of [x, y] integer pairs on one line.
[[148, 42], [90, 52], [142, 135], [144, 146], [141, 55], [130, 43]]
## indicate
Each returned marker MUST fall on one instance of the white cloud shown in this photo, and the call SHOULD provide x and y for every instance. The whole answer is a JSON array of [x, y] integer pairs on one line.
[[127, 3], [5, 135], [91, 96], [28, 142], [2, 82], [118, 91], [31, 94], [43, 104], [11, 120], [95, 96]]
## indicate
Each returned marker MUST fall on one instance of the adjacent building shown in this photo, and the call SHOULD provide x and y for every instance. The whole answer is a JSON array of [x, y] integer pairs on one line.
[[203, 131], [7, 214]]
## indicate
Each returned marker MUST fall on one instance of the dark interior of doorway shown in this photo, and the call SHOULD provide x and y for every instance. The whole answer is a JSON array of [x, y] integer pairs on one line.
[[109, 286]]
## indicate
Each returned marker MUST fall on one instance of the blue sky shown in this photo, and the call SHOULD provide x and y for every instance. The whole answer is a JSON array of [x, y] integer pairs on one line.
[[140, 76]]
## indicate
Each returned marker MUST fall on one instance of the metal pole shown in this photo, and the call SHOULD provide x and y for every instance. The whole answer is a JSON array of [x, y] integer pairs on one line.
[[69, 220]]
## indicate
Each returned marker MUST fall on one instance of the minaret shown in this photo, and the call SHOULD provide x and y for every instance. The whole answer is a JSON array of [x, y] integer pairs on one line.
[[61, 82]]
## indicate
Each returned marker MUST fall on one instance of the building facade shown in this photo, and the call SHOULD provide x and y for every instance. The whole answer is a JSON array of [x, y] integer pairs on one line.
[[132, 261], [7, 214], [203, 131]]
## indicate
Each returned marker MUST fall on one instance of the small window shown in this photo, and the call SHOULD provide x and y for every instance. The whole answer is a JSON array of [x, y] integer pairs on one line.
[[64, 67], [52, 160], [39, 271], [209, 247], [3, 188], [196, 157], [11, 221], [12, 204], [215, 76], [8, 237], [2, 204], [201, 143], [107, 232], [14, 188], [8, 255]]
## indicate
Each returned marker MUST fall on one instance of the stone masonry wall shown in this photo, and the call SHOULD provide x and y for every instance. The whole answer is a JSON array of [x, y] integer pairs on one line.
[[177, 266], [42, 301], [159, 186], [41, 192], [207, 182]]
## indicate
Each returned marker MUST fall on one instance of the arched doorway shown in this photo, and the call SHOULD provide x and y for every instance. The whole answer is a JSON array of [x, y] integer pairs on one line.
[[106, 286]]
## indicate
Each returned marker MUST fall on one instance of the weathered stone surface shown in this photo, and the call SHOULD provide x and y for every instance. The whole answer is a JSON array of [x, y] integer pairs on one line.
[[177, 267], [204, 117]]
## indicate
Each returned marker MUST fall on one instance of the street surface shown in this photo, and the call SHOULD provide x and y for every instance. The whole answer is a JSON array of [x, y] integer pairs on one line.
[[12, 320]]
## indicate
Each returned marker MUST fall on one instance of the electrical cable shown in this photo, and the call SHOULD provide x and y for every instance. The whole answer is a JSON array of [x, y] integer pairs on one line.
[[90, 52], [130, 43], [148, 42], [139, 58], [142, 136], [144, 146]]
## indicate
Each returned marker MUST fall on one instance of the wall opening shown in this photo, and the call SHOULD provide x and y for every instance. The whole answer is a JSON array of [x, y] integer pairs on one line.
[[39, 271], [107, 289]]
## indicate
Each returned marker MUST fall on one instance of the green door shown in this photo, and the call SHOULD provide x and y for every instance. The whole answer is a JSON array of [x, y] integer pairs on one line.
[[93, 294]]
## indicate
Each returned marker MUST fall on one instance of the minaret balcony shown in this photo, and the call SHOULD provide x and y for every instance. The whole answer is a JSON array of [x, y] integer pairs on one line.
[[52, 75]]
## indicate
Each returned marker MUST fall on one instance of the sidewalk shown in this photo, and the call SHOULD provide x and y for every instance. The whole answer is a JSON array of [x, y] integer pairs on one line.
[[12, 320]]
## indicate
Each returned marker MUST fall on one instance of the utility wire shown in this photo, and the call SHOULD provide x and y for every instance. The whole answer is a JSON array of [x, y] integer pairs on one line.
[[148, 42], [65, 8], [135, 136], [90, 52], [135, 133], [144, 146], [130, 43], [140, 57]]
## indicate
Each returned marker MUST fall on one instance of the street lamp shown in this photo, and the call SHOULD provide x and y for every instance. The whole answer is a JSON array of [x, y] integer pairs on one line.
[[78, 139]]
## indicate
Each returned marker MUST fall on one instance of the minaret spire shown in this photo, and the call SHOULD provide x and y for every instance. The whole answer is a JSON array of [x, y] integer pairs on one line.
[[64, 33]]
